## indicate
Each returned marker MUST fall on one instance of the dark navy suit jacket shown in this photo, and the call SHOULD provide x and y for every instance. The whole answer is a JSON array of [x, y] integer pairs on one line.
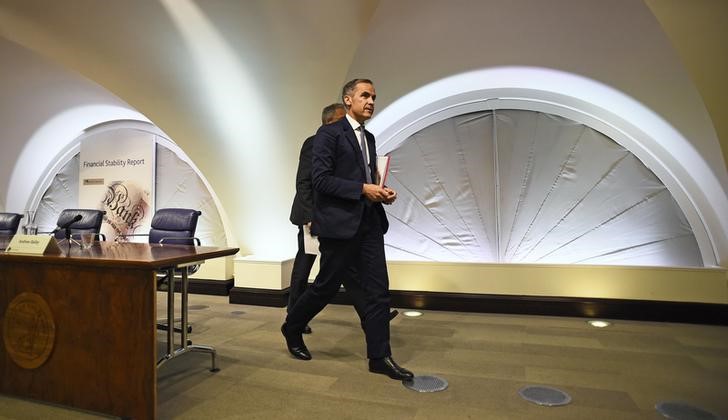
[[338, 175], [302, 207]]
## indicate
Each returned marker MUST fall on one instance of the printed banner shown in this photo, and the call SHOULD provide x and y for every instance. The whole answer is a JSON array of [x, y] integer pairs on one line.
[[117, 175]]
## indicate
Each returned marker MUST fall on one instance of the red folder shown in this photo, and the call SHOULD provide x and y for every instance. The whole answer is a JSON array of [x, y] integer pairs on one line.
[[382, 169]]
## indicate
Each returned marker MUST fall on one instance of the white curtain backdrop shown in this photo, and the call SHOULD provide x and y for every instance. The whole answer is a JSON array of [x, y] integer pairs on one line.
[[515, 186], [177, 185]]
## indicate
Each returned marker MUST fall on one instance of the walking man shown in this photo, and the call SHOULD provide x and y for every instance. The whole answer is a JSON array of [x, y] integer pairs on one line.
[[350, 222]]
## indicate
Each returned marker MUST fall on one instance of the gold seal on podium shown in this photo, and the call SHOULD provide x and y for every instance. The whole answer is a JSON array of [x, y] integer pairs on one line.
[[29, 331]]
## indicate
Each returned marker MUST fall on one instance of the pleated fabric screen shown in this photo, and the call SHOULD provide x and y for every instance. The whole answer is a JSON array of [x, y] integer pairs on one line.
[[515, 186]]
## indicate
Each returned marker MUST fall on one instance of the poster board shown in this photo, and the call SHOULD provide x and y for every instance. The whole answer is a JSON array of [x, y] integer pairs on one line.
[[116, 174]]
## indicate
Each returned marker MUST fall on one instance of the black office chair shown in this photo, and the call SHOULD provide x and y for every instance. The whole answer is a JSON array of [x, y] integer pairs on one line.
[[90, 221], [9, 223], [8, 228], [176, 226], [173, 226]]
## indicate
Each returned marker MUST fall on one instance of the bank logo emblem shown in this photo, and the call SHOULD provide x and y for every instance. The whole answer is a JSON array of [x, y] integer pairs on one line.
[[29, 331]]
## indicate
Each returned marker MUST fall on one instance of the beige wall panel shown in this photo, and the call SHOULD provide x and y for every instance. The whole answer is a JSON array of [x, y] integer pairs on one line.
[[648, 283]]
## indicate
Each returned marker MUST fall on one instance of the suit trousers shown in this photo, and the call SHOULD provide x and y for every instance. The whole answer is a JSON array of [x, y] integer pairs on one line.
[[363, 254], [301, 270]]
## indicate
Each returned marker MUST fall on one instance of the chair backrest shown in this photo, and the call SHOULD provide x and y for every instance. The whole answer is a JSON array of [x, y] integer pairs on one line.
[[91, 220], [9, 223], [174, 223]]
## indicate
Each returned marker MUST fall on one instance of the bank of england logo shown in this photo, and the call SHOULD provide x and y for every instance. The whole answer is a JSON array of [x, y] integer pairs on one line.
[[126, 205], [29, 331]]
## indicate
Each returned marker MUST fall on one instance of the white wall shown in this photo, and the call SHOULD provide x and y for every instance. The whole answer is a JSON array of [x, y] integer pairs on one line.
[[238, 85], [297, 56], [411, 43], [618, 44], [42, 109]]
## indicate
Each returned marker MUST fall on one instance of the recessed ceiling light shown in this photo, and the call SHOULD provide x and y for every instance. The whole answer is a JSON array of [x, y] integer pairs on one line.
[[598, 323], [412, 313]]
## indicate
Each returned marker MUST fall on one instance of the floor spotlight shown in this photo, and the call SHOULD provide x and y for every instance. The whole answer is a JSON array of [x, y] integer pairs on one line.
[[598, 323], [412, 314]]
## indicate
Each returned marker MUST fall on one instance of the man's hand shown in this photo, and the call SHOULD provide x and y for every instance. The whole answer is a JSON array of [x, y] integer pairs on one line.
[[377, 194], [392, 195]]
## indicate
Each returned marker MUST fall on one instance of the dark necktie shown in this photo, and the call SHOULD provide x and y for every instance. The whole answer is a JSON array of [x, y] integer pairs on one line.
[[363, 146]]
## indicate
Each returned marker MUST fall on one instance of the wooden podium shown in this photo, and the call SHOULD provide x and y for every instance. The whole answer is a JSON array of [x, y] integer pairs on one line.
[[80, 329]]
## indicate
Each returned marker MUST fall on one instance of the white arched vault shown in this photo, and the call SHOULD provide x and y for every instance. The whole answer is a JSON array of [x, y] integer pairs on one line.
[[73, 147], [663, 149]]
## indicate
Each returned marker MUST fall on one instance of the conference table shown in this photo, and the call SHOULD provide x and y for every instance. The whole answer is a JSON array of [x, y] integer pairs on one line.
[[79, 328]]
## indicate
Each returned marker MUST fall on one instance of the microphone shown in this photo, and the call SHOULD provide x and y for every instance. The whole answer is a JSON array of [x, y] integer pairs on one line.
[[68, 224], [67, 227]]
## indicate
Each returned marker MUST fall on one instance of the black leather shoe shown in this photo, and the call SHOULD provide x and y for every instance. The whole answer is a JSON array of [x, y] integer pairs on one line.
[[299, 351], [387, 366], [393, 314], [307, 330]]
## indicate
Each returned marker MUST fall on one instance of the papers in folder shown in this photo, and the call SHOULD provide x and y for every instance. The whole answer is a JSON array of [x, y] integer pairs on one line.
[[382, 170], [310, 242]]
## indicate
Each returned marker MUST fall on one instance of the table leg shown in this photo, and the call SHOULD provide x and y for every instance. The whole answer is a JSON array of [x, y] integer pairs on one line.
[[184, 309]]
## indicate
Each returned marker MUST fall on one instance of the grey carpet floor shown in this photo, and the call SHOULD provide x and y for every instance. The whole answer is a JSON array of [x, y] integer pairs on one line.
[[619, 372]]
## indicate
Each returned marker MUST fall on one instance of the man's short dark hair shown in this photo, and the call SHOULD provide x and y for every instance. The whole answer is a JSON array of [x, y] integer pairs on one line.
[[350, 86], [328, 112]]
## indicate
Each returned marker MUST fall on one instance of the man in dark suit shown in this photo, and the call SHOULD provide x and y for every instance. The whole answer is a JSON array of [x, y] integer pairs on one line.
[[302, 209], [350, 222]]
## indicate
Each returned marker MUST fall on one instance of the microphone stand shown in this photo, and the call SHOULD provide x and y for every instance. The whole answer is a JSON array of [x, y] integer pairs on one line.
[[67, 232], [68, 238]]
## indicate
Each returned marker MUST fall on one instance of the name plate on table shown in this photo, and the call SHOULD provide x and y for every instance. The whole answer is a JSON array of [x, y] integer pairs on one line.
[[33, 245]]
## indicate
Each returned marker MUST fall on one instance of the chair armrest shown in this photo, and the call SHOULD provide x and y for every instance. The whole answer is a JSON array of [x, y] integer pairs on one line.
[[126, 235], [179, 238], [100, 236]]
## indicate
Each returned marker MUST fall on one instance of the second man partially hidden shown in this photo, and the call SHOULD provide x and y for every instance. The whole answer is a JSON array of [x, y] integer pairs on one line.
[[302, 209], [350, 222]]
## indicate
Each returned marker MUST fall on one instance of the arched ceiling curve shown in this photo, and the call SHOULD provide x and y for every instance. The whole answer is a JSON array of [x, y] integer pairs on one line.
[[301, 52]]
